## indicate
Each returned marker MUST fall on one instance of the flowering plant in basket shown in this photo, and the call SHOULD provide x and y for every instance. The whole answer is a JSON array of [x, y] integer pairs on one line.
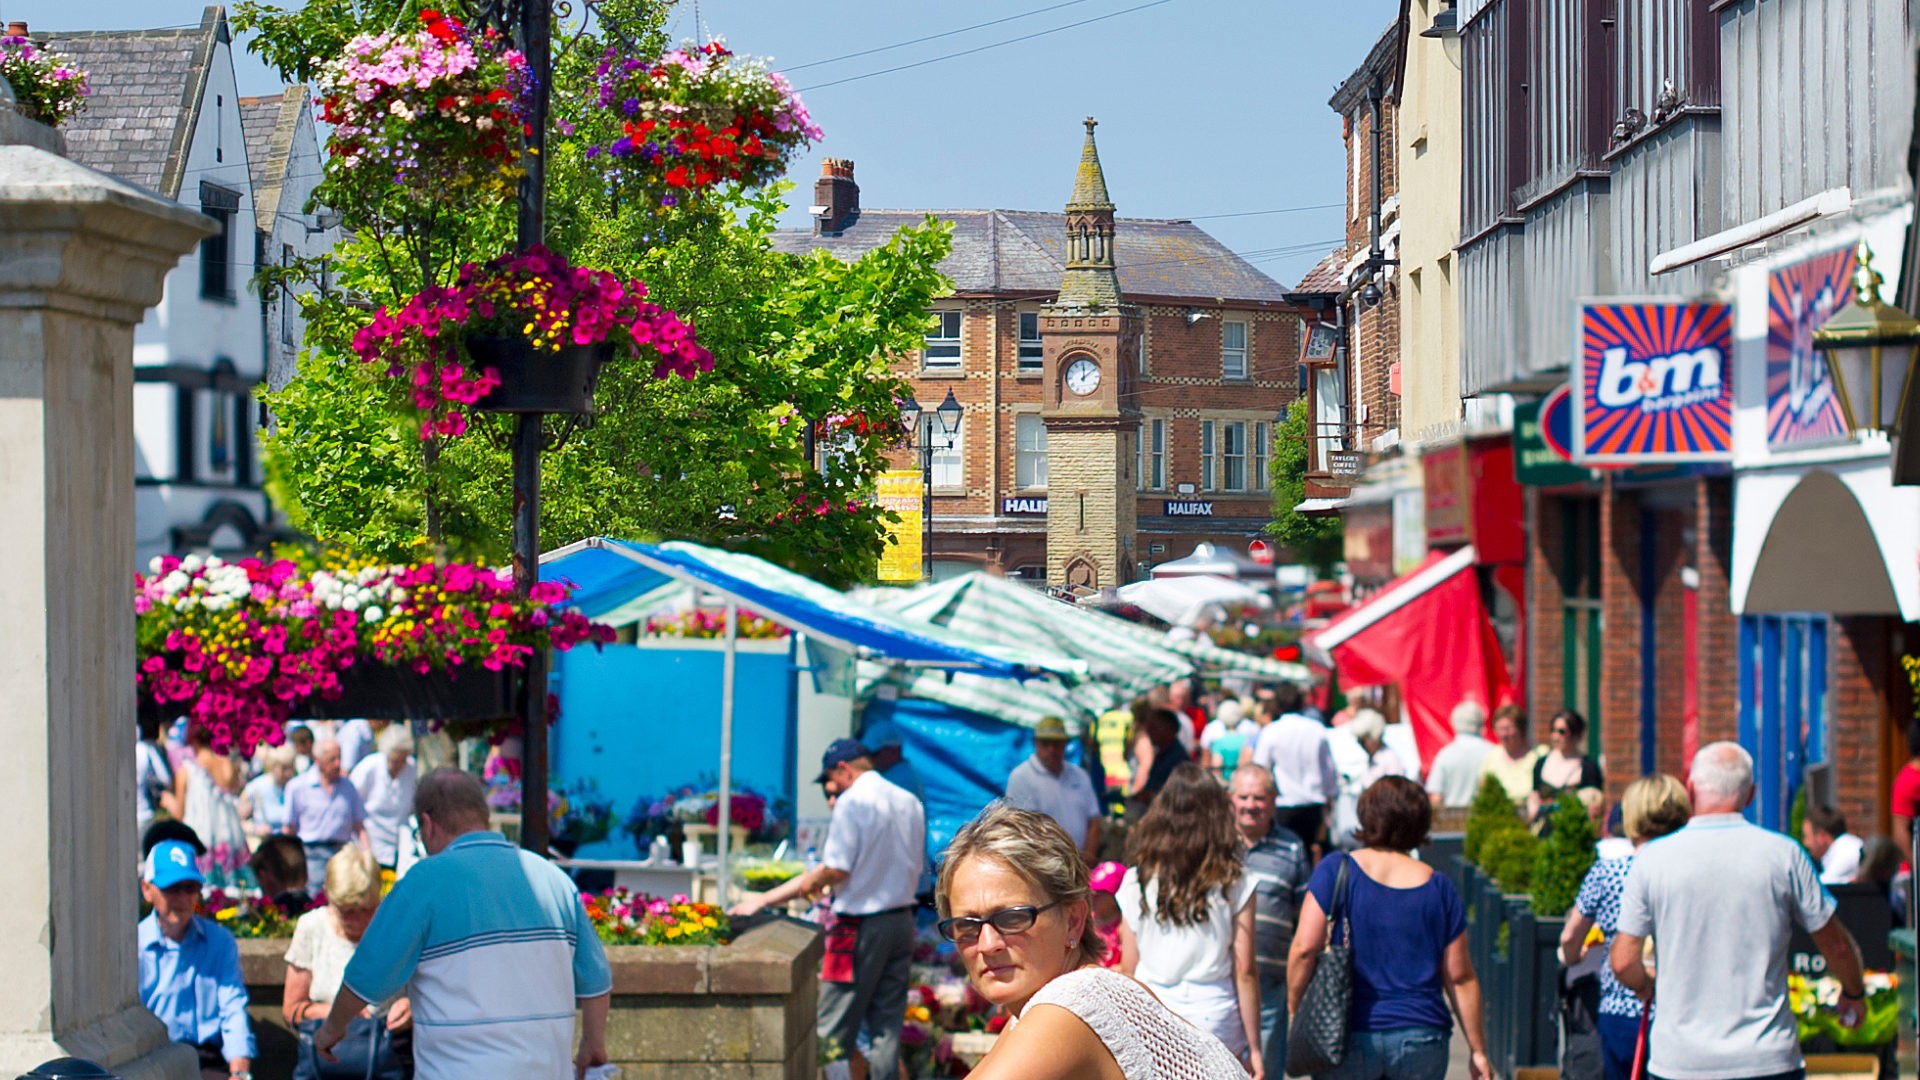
[[435, 112], [696, 118], [45, 85], [536, 295]]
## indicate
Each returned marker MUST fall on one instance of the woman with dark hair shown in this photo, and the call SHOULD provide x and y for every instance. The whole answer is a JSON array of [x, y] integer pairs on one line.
[[1187, 928], [1408, 930], [1565, 768], [1013, 898]]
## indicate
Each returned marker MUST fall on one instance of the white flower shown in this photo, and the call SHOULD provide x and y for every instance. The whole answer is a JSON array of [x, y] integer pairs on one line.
[[192, 563], [374, 614], [174, 581]]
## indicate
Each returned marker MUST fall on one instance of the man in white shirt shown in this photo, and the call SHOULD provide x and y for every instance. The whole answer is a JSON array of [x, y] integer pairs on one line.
[[1049, 783], [1824, 832], [872, 862], [1456, 768], [1295, 749], [386, 782]]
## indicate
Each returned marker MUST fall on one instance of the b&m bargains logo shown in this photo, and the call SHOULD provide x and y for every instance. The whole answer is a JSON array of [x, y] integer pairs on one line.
[[1655, 385], [1662, 382]]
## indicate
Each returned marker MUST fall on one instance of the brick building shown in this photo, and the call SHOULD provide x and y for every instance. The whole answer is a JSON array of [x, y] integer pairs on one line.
[[1159, 439]]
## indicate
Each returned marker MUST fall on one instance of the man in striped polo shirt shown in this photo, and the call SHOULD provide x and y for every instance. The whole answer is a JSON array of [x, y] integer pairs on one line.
[[1277, 862], [496, 947]]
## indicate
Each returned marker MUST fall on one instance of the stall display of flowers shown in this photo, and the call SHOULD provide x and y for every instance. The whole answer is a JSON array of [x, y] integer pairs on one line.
[[433, 111], [238, 645], [696, 118], [46, 87], [940, 1005], [623, 917], [707, 623], [535, 295], [1816, 1009], [699, 804]]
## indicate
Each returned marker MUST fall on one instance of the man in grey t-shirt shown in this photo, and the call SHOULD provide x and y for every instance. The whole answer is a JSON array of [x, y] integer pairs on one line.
[[1720, 897]]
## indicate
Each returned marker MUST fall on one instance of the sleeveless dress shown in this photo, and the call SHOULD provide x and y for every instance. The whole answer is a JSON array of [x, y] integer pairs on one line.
[[213, 814], [1145, 1038]]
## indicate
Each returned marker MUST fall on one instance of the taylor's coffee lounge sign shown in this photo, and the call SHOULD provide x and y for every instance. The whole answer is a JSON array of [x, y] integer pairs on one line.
[[1024, 507], [1189, 508]]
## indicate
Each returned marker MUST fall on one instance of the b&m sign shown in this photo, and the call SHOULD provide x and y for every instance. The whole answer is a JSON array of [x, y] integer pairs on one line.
[[1655, 382]]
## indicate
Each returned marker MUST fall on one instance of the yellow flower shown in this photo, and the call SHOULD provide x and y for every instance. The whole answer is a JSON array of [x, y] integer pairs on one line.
[[228, 915], [710, 922], [673, 931]]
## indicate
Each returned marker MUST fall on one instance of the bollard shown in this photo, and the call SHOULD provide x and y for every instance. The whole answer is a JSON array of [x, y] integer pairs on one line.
[[69, 1068]]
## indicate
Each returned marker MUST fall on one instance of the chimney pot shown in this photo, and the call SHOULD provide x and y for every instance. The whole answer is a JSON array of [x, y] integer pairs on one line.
[[838, 193], [16, 28]]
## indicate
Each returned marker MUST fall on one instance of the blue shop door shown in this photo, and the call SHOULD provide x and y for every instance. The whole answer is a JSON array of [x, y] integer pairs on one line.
[[1784, 666]]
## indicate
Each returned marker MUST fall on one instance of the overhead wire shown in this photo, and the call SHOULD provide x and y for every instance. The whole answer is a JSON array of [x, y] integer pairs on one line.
[[931, 37]]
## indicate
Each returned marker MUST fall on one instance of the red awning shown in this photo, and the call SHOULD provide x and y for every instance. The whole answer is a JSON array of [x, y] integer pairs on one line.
[[1429, 633]]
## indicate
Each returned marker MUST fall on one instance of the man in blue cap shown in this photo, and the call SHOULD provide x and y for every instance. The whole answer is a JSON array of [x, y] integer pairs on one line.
[[190, 966], [875, 847]]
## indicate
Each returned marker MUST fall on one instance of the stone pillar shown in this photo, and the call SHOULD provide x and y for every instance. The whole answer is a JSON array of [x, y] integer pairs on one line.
[[82, 256]]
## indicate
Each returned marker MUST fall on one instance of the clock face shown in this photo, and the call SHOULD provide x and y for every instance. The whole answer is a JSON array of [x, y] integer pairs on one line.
[[1083, 376]]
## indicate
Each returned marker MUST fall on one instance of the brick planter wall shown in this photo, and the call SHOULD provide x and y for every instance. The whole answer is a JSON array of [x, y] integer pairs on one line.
[[744, 1011]]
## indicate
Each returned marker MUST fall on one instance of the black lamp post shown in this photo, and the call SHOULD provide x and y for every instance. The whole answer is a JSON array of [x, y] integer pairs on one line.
[[949, 413]]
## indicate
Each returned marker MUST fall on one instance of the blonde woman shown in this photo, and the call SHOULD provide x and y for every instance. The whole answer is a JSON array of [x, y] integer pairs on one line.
[[1651, 807], [324, 939], [1013, 896]]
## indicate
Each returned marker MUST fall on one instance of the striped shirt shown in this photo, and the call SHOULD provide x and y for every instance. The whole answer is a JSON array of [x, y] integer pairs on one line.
[[1279, 869], [495, 948]]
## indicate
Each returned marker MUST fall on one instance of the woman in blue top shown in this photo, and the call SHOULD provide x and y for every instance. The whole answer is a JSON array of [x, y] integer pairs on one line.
[[1408, 929], [1651, 807]]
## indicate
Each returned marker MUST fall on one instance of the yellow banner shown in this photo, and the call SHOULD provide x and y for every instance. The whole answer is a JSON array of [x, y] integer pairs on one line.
[[899, 491]]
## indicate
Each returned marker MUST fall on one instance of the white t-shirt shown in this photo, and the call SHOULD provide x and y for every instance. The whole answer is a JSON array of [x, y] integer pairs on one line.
[[1295, 749], [318, 947], [1171, 955], [389, 802], [878, 839], [356, 742], [1841, 864], [1067, 798]]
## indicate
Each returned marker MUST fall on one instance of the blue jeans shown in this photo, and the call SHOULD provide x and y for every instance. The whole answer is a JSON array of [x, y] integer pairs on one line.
[[1273, 1025], [1415, 1053], [1619, 1037]]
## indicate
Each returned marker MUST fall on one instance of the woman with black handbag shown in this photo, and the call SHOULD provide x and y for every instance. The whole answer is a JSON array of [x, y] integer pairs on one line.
[[378, 1043], [1393, 934]]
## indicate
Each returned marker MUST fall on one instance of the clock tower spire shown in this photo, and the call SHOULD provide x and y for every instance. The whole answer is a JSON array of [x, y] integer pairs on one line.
[[1090, 342]]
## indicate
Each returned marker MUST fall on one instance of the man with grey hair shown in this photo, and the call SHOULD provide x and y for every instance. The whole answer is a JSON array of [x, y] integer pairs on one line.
[[1455, 776], [1276, 862], [324, 809], [1722, 895], [494, 944]]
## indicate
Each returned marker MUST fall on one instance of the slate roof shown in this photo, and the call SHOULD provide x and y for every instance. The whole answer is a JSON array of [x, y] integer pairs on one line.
[[1324, 278], [1024, 251], [146, 86], [269, 123]]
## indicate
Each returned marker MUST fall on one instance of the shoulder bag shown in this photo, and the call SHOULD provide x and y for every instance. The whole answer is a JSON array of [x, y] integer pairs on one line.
[[368, 1052], [1317, 1032]]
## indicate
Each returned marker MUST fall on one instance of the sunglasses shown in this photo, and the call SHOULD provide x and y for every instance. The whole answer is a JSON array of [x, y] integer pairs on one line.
[[1561, 731], [1013, 920]]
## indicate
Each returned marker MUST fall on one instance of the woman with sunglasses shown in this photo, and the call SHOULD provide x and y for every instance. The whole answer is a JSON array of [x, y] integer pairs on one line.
[[1565, 768], [1013, 896], [1187, 928]]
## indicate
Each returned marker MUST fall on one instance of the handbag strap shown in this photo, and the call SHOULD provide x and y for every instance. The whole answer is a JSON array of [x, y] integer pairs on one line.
[[1339, 918]]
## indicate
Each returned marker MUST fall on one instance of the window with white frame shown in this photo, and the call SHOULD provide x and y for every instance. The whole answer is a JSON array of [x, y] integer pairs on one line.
[[837, 455], [1152, 474], [1140, 354], [1329, 413], [941, 351], [1206, 455], [1233, 456], [947, 470], [1262, 457], [1029, 450], [1233, 349], [1030, 354]]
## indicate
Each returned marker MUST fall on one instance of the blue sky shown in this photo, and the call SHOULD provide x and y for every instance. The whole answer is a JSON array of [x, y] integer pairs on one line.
[[1206, 107]]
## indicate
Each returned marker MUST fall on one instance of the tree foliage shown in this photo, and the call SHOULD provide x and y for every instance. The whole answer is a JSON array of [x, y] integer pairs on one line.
[[800, 343], [1491, 812], [1315, 540], [1563, 858]]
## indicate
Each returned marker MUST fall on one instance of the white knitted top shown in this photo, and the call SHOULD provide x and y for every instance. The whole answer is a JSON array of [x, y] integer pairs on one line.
[[1145, 1038]]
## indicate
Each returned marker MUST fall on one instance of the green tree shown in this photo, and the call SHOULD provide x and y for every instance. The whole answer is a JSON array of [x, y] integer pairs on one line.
[[1491, 812], [1316, 540], [1563, 858]]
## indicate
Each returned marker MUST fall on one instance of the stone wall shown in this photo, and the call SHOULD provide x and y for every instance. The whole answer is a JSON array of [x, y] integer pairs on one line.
[[740, 1012]]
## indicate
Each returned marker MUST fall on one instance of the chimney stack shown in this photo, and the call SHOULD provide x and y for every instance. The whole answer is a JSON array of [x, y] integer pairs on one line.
[[836, 197], [16, 28]]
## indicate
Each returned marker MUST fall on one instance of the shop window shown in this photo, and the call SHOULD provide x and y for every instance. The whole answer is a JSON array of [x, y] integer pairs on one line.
[[1785, 671], [1153, 455]]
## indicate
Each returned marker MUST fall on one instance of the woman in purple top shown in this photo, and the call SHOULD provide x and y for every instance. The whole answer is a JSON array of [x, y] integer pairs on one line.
[[1408, 929]]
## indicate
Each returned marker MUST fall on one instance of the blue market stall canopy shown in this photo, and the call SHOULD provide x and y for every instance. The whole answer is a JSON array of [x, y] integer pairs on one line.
[[607, 574]]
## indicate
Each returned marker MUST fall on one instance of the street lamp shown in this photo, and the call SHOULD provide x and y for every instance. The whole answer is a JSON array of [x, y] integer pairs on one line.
[[1870, 348], [949, 414]]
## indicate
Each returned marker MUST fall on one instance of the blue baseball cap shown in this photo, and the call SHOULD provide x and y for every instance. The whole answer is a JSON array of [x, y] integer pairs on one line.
[[881, 734], [170, 863], [841, 752]]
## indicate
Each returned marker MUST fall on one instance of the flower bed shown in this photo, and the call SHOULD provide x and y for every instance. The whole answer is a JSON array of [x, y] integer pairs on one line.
[[1816, 1009], [622, 917], [240, 644]]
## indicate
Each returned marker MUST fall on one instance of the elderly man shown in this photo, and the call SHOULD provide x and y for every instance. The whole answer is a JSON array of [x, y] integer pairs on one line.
[[190, 966], [1049, 783], [386, 783], [324, 809], [1455, 776], [1721, 896], [872, 863], [494, 944], [1278, 866]]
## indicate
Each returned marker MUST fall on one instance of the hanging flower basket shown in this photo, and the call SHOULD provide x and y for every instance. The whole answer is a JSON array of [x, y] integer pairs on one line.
[[531, 381], [46, 87], [694, 119], [543, 312]]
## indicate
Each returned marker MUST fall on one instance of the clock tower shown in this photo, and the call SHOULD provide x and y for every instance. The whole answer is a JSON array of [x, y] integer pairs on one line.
[[1090, 340]]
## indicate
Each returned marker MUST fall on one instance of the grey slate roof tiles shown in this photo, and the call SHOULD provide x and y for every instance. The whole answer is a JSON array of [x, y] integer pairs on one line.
[[145, 83], [998, 251], [268, 124]]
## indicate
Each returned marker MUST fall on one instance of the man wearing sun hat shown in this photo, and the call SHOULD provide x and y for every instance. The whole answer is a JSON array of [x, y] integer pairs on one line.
[[1049, 783], [190, 966]]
